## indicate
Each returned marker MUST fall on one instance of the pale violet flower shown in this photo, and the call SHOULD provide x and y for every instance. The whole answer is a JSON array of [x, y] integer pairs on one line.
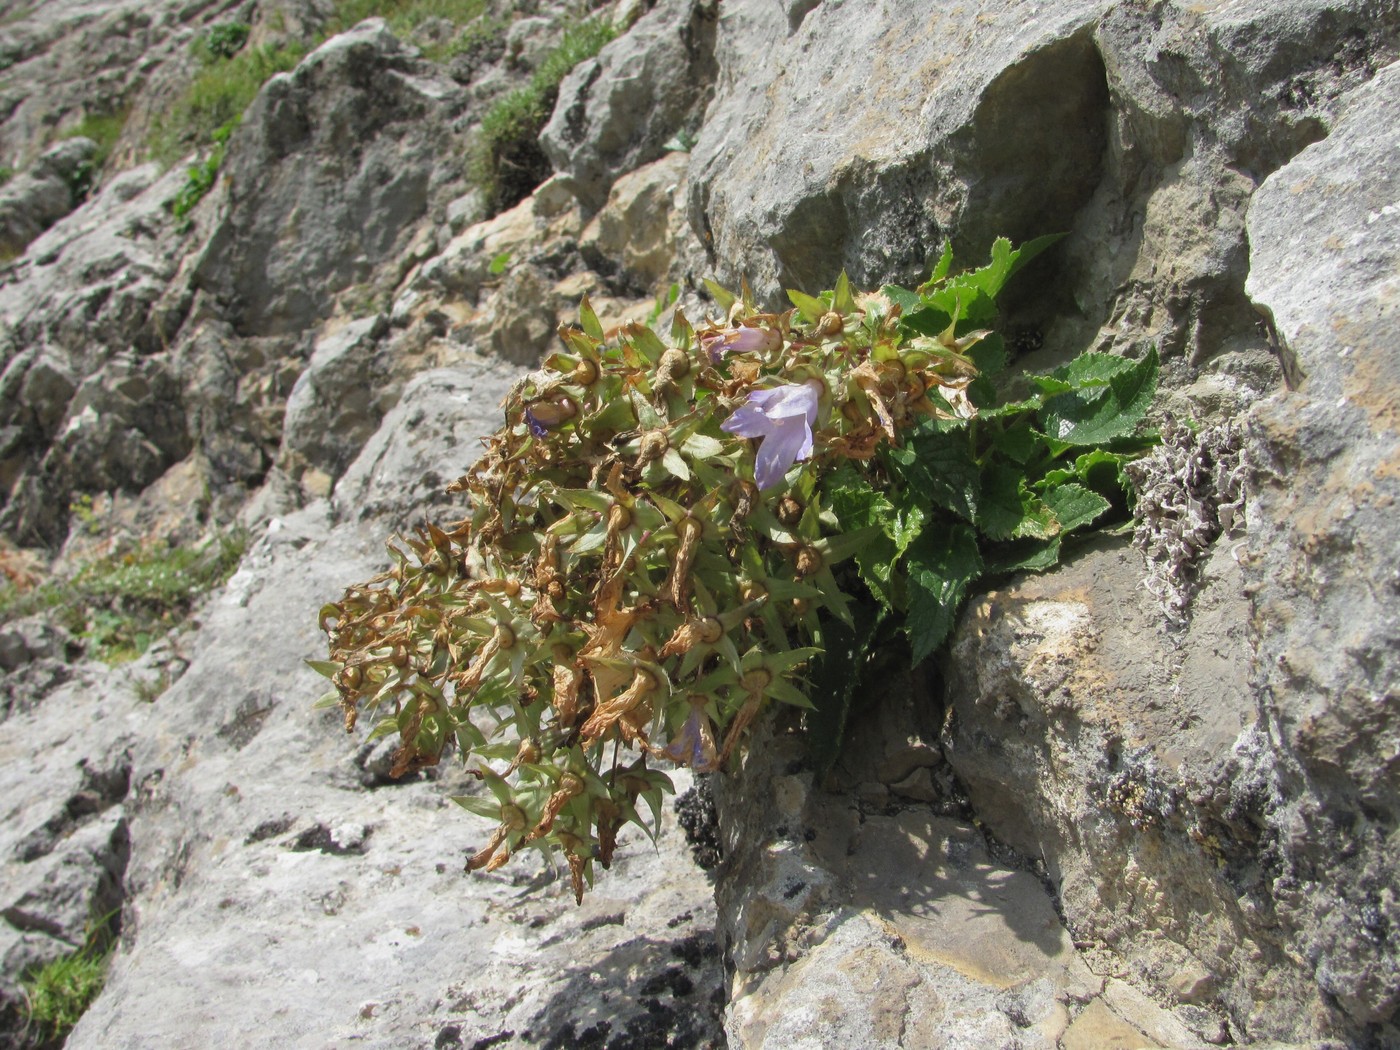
[[740, 340], [781, 418], [695, 746]]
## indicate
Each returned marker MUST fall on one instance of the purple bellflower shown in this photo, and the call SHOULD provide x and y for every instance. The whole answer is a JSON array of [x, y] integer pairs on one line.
[[740, 340], [781, 418]]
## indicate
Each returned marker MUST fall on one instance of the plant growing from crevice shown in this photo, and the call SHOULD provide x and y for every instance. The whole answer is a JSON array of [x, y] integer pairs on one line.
[[118, 604], [668, 535], [506, 162], [204, 117], [104, 130], [57, 994]]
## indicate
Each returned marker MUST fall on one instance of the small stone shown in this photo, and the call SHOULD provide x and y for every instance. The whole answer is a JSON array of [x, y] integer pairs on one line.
[[918, 785]]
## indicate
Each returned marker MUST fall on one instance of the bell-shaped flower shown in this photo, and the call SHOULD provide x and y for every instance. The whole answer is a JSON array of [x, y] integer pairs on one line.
[[742, 340], [781, 418]]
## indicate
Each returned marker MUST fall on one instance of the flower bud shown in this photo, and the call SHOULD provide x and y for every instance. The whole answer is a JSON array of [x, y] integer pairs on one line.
[[831, 324], [752, 592], [757, 680], [674, 364]]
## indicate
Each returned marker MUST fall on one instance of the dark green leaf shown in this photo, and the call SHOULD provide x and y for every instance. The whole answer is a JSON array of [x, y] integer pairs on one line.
[[1002, 559], [1075, 506], [989, 354], [936, 467], [1018, 443], [1106, 411], [943, 564], [1008, 509]]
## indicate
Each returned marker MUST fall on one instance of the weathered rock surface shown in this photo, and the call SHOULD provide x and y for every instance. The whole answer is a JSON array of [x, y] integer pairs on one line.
[[43, 193], [1214, 806], [277, 902], [90, 403], [352, 137], [617, 112]]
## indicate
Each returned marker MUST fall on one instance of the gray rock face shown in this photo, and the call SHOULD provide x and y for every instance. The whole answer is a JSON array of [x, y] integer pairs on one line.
[[327, 177], [262, 871], [332, 410], [1325, 242], [84, 315], [1140, 131], [616, 112], [431, 438], [1193, 796], [1219, 808], [44, 193]]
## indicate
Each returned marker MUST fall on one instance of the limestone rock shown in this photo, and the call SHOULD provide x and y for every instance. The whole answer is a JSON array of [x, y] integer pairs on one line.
[[257, 866], [850, 925], [333, 408], [83, 318], [636, 229], [327, 177], [426, 441], [1325, 244], [616, 112], [1195, 794], [42, 194]]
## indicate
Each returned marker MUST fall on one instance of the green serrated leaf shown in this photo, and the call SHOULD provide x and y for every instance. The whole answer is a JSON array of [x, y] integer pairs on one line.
[[944, 264], [943, 564], [1075, 506], [906, 300], [1108, 410], [936, 466], [988, 354], [1018, 443], [1007, 509], [1002, 559]]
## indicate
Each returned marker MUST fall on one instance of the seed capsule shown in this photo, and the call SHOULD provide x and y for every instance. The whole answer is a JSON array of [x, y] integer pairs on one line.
[[674, 364], [808, 561], [585, 373], [789, 511], [654, 446]]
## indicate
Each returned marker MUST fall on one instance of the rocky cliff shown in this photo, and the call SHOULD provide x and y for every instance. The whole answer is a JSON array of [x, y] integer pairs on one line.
[[1147, 799]]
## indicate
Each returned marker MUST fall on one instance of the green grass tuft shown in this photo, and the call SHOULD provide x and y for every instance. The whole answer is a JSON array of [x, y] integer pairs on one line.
[[118, 604], [60, 993], [217, 96], [507, 163]]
